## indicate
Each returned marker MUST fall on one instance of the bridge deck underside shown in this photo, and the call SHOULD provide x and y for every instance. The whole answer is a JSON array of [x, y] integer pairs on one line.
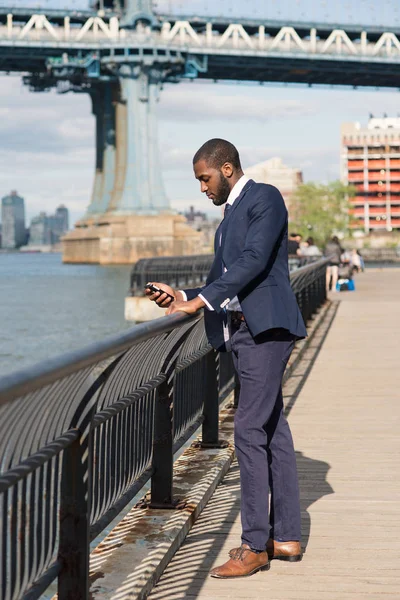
[[302, 70], [345, 423], [233, 66]]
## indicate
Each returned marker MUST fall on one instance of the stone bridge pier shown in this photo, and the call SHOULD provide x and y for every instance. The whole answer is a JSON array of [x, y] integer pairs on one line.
[[129, 216]]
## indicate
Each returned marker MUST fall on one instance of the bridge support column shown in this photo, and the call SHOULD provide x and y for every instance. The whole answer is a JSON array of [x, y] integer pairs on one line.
[[104, 97], [129, 217], [138, 187]]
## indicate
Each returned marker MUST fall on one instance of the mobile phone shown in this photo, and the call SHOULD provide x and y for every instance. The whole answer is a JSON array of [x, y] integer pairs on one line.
[[155, 288]]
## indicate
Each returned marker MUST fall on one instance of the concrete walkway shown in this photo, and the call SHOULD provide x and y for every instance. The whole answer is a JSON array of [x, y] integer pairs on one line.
[[346, 426]]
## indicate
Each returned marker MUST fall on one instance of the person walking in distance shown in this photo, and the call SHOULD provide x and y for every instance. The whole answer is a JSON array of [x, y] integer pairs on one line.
[[333, 250], [250, 309]]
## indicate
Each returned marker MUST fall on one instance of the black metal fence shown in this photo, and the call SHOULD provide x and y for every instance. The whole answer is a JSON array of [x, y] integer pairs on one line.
[[185, 271], [175, 270], [381, 255], [81, 434], [309, 285]]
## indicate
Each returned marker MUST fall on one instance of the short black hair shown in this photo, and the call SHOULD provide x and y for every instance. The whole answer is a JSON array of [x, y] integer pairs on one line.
[[217, 152], [293, 235]]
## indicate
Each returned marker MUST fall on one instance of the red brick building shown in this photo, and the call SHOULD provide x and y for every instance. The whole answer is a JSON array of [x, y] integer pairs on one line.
[[371, 163]]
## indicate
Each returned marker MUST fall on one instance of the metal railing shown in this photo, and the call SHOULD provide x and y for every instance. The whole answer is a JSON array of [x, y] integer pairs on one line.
[[81, 434], [381, 255], [180, 271], [174, 270], [309, 286]]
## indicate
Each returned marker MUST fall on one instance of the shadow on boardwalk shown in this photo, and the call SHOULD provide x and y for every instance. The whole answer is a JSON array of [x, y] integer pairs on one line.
[[189, 569], [313, 486]]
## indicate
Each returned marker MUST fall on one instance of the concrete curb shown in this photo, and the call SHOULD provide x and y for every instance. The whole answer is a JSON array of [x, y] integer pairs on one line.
[[131, 559], [133, 556]]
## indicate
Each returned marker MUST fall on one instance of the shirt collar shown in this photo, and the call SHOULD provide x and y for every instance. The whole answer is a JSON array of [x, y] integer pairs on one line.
[[237, 189]]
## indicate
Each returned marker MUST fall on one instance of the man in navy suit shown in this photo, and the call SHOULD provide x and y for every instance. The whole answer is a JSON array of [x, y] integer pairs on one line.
[[251, 310]]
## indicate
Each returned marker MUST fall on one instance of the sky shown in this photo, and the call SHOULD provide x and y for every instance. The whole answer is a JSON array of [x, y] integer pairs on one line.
[[374, 12], [47, 139]]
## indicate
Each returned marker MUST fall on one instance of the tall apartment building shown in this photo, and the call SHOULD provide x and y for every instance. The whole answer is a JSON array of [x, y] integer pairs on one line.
[[61, 220], [370, 161], [13, 221], [275, 172]]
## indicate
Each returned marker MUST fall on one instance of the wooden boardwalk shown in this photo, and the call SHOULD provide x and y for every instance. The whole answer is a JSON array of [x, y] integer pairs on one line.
[[346, 427]]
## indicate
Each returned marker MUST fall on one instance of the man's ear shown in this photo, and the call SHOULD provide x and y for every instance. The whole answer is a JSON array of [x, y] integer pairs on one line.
[[227, 170]]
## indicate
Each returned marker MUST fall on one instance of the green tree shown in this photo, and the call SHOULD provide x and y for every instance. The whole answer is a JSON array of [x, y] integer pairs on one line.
[[321, 210]]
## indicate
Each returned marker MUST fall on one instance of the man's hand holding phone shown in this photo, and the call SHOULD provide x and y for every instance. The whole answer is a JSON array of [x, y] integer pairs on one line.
[[162, 294], [166, 297]]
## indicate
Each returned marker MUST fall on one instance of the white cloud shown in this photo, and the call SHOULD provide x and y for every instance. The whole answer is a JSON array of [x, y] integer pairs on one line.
[[195, 103]]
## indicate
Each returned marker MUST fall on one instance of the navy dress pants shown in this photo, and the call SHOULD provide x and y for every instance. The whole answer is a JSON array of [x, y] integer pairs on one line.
[[263, 441]]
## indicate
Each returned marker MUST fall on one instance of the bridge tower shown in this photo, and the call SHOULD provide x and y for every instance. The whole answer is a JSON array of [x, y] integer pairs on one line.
[[129, 216]]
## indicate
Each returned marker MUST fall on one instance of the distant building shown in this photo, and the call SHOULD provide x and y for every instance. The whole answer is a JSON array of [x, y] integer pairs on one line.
[[13, 221], [370, 161], [274, 172], [61, 220], [46, 230], [200, 222], [195, 217], [40, 232]]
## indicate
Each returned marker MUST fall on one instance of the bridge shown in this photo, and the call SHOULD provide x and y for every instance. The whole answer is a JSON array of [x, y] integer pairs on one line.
[[122, 58], [82, 434]]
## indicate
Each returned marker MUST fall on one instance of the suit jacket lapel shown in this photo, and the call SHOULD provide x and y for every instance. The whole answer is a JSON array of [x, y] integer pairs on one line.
[[240, 197], [222, 226]]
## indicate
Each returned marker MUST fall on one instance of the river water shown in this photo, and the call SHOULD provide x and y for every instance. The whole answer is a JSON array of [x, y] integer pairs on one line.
[[47, 308]]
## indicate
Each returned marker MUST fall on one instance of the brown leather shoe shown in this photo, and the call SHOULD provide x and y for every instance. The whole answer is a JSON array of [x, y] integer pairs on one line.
[[245, 562], [289, 551]]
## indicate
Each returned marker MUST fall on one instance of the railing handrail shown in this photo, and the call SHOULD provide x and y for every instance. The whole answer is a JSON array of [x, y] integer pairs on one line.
[[306, 268], [46, 372], [32, 378]]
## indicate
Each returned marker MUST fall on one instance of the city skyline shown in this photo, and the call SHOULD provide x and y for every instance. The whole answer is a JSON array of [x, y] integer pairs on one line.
[[43, 229], [49, 145]]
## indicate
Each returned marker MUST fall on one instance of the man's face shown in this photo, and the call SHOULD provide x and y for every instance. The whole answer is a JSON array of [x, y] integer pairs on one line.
[[212, 182]]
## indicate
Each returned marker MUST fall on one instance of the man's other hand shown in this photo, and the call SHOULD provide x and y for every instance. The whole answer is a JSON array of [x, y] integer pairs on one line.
[[189, 308], [162, 300]]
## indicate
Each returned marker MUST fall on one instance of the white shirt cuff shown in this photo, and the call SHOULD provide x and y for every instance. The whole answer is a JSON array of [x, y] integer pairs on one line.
[[184, 295], [206, 302]]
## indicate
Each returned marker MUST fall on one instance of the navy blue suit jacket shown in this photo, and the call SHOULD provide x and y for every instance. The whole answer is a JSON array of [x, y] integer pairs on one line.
[[254, 251]]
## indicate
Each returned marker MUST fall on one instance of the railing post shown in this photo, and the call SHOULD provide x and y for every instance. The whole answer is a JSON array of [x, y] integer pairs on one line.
[[162, 478], [74, 546], [210, 429]]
